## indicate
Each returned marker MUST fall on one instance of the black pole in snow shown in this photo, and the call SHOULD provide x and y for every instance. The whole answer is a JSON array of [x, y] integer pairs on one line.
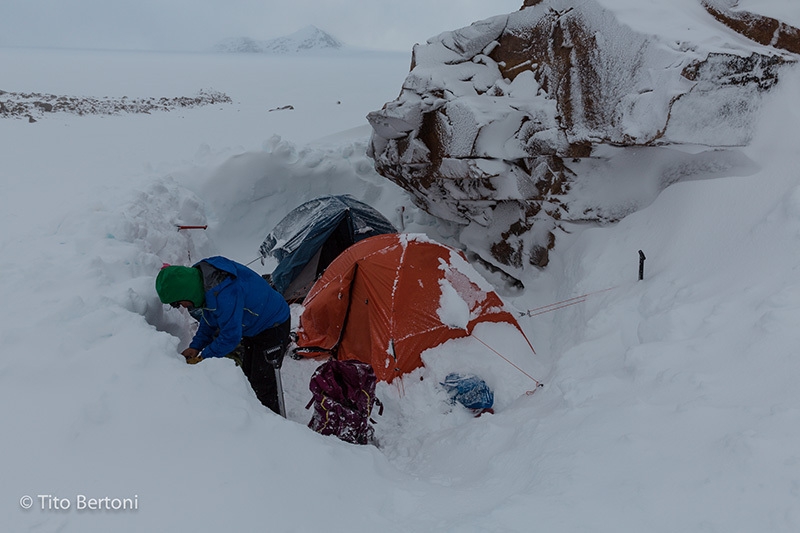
[[641, 265]]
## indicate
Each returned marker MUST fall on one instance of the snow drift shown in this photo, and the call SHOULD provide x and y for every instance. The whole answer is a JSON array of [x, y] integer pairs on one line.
[[669, 404]]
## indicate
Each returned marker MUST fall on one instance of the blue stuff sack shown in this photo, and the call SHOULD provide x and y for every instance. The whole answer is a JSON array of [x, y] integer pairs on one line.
[[470, 391]]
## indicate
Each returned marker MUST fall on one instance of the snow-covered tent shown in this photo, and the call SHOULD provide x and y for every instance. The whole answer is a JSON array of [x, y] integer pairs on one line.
[[387, 299], [312, 235]]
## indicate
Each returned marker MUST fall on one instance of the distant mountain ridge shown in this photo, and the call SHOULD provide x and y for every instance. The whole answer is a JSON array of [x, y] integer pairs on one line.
[[306, 39]]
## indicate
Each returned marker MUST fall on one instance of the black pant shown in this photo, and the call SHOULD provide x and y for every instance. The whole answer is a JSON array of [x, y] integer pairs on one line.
[[263, 356]]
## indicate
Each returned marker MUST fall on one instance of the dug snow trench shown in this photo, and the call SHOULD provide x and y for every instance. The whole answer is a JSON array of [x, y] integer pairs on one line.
[[240, 200]]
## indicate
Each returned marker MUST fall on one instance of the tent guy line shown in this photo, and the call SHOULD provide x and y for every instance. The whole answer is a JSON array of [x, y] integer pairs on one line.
[[538, 383], [562, 304]]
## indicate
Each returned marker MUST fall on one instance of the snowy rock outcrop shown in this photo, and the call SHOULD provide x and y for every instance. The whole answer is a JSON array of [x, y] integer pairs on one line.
[[34, 106], [508, 126]]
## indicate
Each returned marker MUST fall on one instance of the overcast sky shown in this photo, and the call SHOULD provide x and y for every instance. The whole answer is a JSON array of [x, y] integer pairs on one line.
[[199, 24]]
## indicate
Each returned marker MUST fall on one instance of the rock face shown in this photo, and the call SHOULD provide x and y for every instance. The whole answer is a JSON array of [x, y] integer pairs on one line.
[[498, 125]]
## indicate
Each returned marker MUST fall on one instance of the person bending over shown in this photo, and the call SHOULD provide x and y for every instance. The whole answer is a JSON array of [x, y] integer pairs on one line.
[[234, 305]]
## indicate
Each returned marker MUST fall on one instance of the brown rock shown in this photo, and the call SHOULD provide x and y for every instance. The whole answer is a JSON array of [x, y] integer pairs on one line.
[[491, 117], [763, 30]]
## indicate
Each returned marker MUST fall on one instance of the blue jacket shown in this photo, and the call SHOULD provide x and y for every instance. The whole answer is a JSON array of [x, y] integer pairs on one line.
[[239, 303]]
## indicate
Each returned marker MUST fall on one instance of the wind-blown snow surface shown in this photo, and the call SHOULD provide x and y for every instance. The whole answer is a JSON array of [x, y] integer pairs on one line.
[[669, 404]]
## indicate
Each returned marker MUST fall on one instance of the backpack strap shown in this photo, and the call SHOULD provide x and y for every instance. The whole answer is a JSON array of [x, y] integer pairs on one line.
[[316, 349], [380, 406]]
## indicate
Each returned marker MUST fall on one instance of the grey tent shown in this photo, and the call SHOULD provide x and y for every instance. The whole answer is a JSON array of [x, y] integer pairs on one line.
[[312, 235]]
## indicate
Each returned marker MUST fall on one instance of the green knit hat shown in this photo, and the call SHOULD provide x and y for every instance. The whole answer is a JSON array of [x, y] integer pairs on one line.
[[177, 283]]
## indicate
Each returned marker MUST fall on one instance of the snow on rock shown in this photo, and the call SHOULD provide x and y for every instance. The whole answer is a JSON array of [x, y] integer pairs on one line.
[[761, 29], [34, 105], [505, 126]]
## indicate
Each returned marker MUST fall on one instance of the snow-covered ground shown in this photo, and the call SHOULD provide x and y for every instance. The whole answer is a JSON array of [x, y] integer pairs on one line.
[[669, 404]]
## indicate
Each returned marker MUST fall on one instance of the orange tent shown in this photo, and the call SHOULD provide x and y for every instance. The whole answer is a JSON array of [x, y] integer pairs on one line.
[[388, 298]]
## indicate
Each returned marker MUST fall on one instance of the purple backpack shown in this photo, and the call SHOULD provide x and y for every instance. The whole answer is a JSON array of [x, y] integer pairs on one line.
[[343, 397]]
